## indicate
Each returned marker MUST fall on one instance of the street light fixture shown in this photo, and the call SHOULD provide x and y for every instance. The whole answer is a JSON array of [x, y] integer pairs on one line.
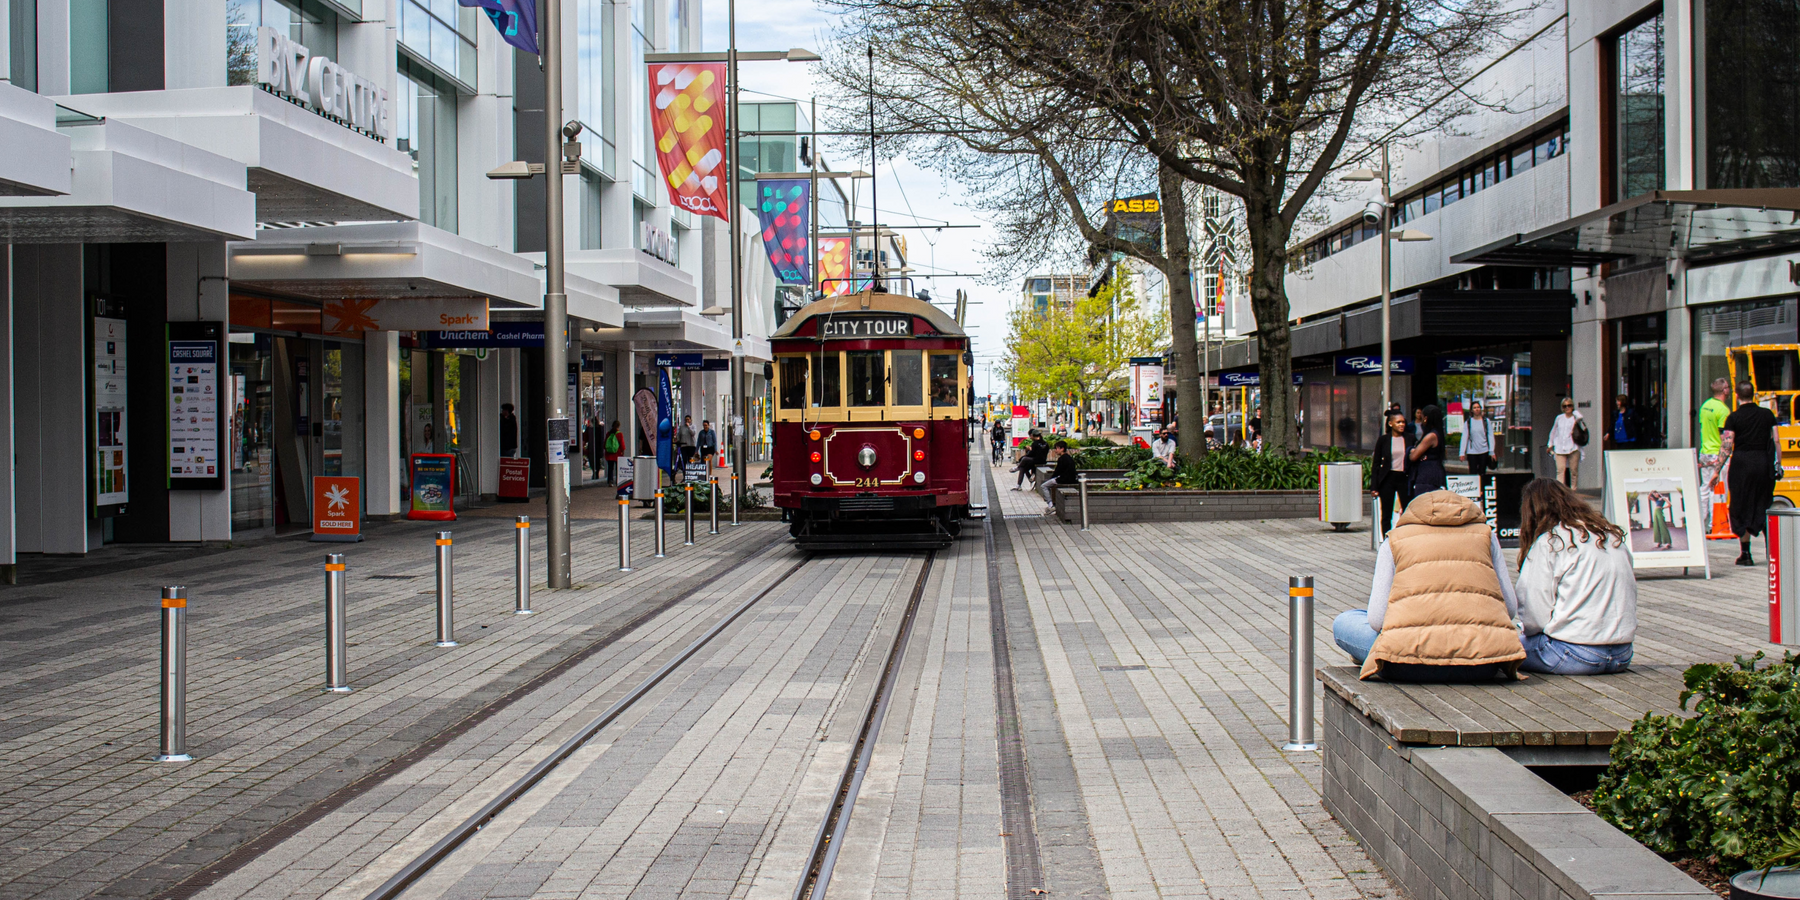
[[1381, 212], [740, 437]]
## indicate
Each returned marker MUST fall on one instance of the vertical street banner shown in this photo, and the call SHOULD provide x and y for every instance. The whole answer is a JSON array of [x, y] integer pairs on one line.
[[687, 116], [516, 20], [836, 276], [784, 211]]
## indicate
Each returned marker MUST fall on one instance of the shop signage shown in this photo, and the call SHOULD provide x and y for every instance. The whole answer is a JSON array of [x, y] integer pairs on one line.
[[194, 407], [1475, 364], [109, 448], [291, 70], [657, 243], [1654, 495], [515, 479], [433, 487], [1252, 379], [715, 364], [435, 314], [337, 508], [1371, 365], [502, 335], [679, 360], [865, 326]]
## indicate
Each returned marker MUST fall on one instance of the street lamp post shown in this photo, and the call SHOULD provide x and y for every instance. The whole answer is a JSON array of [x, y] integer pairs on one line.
[[1385, 217]]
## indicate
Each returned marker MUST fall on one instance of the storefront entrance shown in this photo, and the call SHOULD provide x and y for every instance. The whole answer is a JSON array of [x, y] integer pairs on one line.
[[1642, 366]]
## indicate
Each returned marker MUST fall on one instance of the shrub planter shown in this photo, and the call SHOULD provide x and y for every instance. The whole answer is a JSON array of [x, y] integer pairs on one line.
[[1179, 505]]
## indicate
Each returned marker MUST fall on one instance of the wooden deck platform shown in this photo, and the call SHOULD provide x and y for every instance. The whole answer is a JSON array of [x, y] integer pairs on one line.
[[1538, 711]]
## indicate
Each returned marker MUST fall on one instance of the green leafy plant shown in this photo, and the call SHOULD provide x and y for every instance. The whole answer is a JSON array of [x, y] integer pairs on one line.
[[1723, 783], [1237, 469], [1111, 456], [1093, 440]]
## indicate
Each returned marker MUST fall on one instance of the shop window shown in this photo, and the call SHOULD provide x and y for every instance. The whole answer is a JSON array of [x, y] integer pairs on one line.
[[868, 382], [425, 129], [1719, 327], [825, 380], [793, 382], [1750, 85], [943, 379], [909, 378], [1638, 109]]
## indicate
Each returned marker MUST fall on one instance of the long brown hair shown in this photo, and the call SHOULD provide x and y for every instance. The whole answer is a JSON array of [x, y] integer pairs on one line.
[[1546, 503]]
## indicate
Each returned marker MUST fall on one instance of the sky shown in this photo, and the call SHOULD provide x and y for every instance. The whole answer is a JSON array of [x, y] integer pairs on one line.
[[784, 24]]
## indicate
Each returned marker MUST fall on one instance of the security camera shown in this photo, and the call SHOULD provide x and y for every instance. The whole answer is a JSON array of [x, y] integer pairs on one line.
[[1372, 212], [571, 130]]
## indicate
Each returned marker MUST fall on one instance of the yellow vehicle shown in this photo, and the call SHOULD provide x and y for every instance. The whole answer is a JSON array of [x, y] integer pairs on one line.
[[1774, 370]]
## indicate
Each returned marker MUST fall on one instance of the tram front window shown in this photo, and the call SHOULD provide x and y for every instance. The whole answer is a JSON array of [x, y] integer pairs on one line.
[[793, 382], [868, 381], [825, 380], [909, 378], [943, 379]]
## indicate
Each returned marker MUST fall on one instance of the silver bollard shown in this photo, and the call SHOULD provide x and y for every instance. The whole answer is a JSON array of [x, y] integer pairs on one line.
[[174, 676], [337, 677], [1082, 478], [712, 487], [688, 487], [659, 525], [522, 561], [1300, 664], [735, 498], [446, 591], [624, 534]]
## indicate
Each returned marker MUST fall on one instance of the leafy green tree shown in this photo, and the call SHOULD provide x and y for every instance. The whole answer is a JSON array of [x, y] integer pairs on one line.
[[1079, 353]]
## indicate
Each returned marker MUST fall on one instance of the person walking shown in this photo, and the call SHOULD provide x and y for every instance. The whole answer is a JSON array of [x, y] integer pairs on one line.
[[1577, 591], [1428, 454], [590, 444], [1065, 472], [1441, 605], [509, 431], [1712, 421], [1627, 429], [1568, 434], [1477, 449], [613, 445], [1748, 439], [1392, 464], [707, 442], [684, 440]]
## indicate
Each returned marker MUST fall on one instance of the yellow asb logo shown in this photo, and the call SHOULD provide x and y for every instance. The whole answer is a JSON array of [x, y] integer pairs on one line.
[[1137, 205]]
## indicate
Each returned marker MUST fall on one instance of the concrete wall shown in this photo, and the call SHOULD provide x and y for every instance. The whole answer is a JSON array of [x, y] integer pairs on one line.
[[1186, 506], [50, 400]]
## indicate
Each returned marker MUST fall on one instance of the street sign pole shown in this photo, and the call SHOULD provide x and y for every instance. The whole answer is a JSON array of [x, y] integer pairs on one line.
[[556, 301]]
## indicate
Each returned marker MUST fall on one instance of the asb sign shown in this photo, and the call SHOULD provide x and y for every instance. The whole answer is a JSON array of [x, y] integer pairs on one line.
[[290, 69]]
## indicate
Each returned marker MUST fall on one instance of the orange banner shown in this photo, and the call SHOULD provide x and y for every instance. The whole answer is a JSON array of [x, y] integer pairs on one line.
[[835, 276], [337, 508], [687, 115]]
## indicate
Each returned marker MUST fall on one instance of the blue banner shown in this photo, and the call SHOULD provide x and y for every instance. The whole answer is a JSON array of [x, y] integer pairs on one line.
[[516, 20], [1371, 365], [665, 403], [785, 214]]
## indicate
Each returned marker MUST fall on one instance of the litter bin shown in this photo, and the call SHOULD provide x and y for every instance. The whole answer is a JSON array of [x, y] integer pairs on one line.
[[1784, 576], [1340, 494]]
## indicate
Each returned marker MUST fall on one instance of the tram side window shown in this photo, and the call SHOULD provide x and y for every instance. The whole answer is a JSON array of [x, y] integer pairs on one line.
[[793, 382], [909, 378], [943, 379], [868, 381], [825, 380]]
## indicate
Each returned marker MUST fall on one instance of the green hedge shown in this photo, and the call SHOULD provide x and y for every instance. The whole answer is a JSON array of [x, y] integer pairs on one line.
[[1724, 783], [1237, 469]]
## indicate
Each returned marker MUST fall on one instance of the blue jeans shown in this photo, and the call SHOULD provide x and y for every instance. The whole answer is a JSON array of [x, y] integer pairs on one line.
[[1353, 635], [1550, 656]]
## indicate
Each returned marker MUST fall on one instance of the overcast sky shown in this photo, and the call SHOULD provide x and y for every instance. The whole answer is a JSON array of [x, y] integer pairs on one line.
[[782, 24]]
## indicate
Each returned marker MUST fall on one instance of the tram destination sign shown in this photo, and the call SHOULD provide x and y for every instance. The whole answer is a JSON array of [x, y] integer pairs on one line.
[[863, 326]]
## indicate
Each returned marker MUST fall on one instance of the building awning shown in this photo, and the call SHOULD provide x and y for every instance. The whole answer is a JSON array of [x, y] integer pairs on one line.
[[641, 279], [37, 161], [677, 330], [382, 261], [1689, 225]]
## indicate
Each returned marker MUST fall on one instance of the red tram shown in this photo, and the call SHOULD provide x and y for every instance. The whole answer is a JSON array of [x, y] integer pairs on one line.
[[871, 445]]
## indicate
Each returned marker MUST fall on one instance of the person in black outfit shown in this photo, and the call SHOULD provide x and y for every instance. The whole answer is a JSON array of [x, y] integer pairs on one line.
[[1749, 438], [1428, 454], [1064, 473], [509, 431], [1035, 455], [998, 437], [1393, 461]]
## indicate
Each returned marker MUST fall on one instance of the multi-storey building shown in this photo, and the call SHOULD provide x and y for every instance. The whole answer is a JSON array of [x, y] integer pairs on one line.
[[1619, 217], [1041, 293], [308, 179]]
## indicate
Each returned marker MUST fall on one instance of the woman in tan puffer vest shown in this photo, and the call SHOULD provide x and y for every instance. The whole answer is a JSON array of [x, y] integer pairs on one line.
[[1442, 605]]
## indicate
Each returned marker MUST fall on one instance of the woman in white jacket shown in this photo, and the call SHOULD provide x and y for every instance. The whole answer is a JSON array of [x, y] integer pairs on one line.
[[1577, 593]]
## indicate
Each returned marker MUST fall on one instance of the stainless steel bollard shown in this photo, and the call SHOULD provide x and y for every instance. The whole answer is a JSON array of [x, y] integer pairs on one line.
[[337, 667], [522, 561], [1082, 478], [174, 676], [735, 498], [659, 525], [624, 534], [712, 486], [446, 592], [1300, 664], [688, 486]]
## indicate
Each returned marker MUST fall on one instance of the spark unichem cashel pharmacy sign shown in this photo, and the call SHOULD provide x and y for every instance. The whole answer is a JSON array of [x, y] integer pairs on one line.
[[290, 70]]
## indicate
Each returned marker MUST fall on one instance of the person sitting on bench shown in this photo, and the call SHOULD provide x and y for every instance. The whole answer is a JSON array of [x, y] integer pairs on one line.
[[1577, 591], [1441, 608]]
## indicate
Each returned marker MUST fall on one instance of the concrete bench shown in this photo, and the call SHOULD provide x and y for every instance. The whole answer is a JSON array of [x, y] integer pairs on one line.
[[1433, 781]]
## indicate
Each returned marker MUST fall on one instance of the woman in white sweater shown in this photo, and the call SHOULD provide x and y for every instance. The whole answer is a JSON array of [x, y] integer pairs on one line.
[[1577, 593]]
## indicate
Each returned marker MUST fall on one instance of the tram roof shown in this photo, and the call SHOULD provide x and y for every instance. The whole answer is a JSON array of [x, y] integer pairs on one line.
[[872, 301]]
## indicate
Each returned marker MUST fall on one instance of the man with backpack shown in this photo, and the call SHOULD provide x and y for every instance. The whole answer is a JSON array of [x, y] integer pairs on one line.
[[1568, 434]]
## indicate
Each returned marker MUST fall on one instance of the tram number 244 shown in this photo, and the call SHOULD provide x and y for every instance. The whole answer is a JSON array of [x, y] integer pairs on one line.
[[868, 482]]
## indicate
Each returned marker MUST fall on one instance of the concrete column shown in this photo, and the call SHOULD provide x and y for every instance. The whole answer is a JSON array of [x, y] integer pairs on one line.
[[381, 404], [487, 417], [197, 292], [50, 403], [628, 413], [8, 483], [1678, 356]]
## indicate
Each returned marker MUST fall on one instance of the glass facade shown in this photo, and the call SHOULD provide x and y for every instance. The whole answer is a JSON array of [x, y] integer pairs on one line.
[[441, 34], [643, 175], [1638, 109], [22, 43], [243, 17], [593, 60], [1751, 110], [425, 129]]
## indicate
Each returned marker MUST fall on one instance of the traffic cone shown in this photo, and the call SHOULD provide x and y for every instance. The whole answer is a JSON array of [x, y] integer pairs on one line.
[[1721, 514]]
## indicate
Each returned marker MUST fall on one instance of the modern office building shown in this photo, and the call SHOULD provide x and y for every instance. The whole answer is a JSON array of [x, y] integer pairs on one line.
[[304, 184]]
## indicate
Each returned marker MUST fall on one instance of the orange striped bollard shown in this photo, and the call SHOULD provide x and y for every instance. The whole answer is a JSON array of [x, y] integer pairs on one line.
[[1300, 664]]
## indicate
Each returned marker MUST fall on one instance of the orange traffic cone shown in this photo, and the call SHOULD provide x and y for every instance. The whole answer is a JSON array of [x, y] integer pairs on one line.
[[1721, 514]]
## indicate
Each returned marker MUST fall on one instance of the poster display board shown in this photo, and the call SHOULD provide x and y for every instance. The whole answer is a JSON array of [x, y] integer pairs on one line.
[[1654, 495], [109, 451], [196, 406], [1498, 495], [515, 479], [337, 508], [433, 487], [1147, 392], [1021, 424]]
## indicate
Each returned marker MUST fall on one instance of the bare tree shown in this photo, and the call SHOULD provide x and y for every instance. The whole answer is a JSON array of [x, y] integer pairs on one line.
[[1256, 98]]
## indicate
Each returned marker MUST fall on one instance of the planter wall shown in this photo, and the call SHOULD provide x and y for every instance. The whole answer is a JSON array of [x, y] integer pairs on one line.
[[1185, 506]]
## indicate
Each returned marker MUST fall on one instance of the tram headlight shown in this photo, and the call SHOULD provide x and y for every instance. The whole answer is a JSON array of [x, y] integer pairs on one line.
[[815, 456], [918, 477], [817, 479], [918, 456]]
